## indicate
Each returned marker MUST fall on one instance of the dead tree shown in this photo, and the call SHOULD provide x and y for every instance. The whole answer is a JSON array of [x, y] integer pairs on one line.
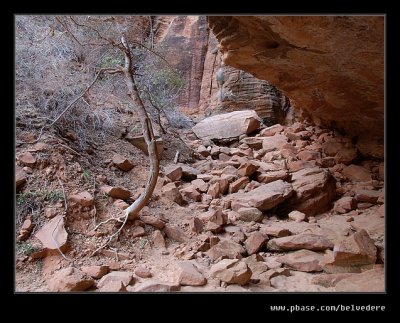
[[148, 134], [128, 71], [133, 210]]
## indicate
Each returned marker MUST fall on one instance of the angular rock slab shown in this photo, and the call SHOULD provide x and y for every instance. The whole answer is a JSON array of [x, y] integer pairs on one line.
[[127, 278], [154, 286], [96, 271], [266, 196], [255, 242], [356, 250], [369, 281], [300, 241], [175, 233], [140, 142], [315, 190], [249, 214], [231, 271], [357, 173], [82, 198], [20, 177], [70, 280], [228, 125], [226, 248], [302, 260], [174, 173], [116, 192], [330, 280], [275, 231], [122, 162], [189, 275], [53, 234], [113, 286], [171, 192], [345, 204], [27, 159]]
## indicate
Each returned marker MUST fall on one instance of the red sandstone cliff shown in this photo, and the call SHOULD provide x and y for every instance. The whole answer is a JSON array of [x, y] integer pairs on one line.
[[332, 67], [192, 49]]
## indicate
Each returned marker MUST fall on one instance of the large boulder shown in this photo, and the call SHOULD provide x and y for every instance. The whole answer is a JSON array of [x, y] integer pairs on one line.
[[315, 190], [227, 126], [357, 250]]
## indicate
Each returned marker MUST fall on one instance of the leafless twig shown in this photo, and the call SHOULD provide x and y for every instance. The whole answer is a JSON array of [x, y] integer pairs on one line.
[[94, 206], [112, 236], [69, 148], [106, 221]]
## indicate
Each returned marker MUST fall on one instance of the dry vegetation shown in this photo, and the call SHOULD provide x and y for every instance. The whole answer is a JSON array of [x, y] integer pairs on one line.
[[57, 58]]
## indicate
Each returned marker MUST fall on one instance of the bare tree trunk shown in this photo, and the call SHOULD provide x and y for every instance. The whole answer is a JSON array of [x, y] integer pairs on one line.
[[148, 134]]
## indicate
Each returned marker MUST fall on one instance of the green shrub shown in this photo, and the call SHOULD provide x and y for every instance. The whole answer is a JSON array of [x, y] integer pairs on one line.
[[44, 195], [24, 248]]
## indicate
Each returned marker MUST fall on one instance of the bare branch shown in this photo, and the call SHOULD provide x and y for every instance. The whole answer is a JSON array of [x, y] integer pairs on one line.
[[69, 148], [106, 221], [111, 237], [68, 31], [109, 41]]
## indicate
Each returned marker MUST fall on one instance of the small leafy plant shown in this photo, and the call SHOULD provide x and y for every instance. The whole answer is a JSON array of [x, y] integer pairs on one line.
[[142, 243], [86, 175], [45, 195], [24, 248]]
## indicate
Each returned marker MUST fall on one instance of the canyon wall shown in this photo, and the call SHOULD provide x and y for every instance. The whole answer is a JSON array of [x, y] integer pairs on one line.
[[193, 50], [240, 90], [331, 67], [186, 39]]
